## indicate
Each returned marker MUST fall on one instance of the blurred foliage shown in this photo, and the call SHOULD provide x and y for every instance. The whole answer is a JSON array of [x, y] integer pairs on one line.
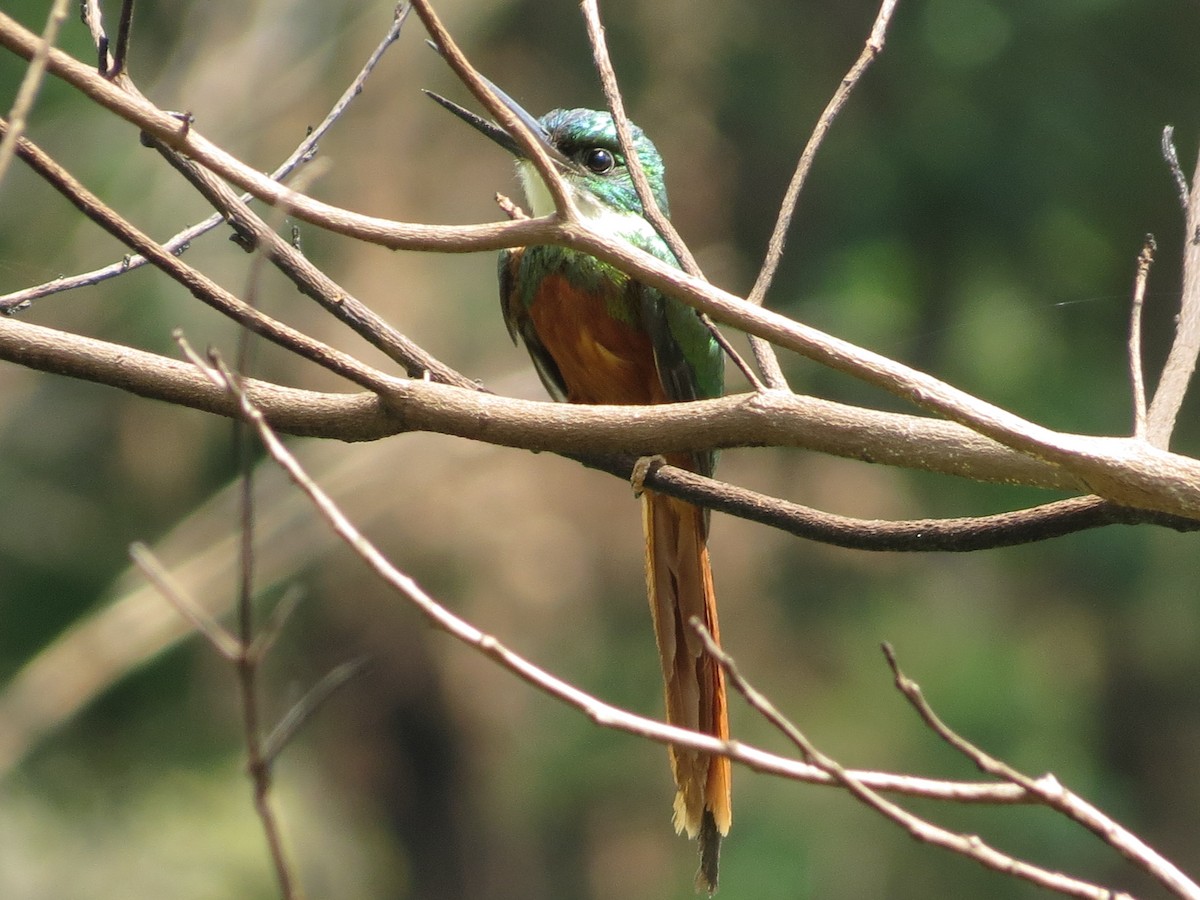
[[976, 212]]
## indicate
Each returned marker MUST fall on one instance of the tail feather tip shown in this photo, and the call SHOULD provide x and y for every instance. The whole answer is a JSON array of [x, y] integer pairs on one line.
[[710, 855]]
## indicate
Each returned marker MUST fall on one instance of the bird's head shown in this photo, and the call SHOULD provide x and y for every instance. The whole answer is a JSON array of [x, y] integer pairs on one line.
[[583, 144]]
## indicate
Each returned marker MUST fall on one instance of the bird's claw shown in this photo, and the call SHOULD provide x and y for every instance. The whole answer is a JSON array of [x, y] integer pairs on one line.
[[642, 469]]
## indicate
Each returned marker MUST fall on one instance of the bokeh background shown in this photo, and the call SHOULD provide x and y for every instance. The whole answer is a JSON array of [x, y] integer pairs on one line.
[[976, 212]]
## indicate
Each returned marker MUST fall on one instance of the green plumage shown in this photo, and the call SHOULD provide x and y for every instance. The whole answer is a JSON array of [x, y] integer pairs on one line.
[[598, 336], [690, 362]]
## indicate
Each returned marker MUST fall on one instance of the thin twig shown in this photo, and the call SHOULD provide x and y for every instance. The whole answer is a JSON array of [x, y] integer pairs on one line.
[[616, 105], [247, 663], [258, 760], [969, 846], [763, 352], [279, 616], [1136, 376], [179, 243], [633, 163], [744, 367], [1181, 359], [302, 711], [120, 55], [482, 89], [35, 74], [787, 210], [198, 284], [222, 641], [1049, 791], [1171, 157]]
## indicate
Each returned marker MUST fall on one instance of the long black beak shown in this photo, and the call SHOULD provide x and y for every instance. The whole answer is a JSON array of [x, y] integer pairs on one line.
[[498, 134]]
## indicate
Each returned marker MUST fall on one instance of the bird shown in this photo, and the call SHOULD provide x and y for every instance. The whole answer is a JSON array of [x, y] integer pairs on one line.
[[598, 336]]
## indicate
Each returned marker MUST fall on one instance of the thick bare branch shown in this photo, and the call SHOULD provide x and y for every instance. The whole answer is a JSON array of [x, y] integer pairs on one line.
[[774, 419], [1118, 469], [1122, 470]]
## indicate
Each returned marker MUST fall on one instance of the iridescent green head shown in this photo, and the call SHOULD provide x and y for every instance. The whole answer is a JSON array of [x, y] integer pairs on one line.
[[583, 144], [588, 138]]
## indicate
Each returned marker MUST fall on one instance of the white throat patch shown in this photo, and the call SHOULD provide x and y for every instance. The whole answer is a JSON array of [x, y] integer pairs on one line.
[[600, 217]]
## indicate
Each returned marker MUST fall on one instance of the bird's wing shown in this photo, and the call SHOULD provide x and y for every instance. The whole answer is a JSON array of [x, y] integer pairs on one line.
[[691, 364], [520, 325]]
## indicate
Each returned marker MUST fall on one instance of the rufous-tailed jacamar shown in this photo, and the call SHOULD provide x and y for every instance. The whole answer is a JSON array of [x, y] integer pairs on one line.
[[598, 336]]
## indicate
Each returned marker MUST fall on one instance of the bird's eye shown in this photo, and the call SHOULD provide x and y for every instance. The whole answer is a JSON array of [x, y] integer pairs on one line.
[[599, 160]]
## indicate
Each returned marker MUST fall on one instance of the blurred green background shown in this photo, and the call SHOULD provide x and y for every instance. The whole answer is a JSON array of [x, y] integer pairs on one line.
[[976, 212]]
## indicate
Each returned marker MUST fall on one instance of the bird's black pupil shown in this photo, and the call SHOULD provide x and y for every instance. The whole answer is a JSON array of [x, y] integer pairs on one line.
[[599, 160]]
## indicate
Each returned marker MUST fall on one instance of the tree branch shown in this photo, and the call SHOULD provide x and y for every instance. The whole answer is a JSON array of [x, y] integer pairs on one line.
[[1050, 792], [30, 85], [198, 284], [758, 293], [775, 419], [600, 712], [969, 846], [304, 152], [1119, 469], [1181, 360]]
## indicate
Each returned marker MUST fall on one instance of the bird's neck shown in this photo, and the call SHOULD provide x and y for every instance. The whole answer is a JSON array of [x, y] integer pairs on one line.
[[599, 216]]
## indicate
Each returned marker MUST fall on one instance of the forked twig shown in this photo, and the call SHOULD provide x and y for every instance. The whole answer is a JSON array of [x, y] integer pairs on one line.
[[198, 284], [116, 66], [967, 845], [302, 711], [764, 353], [1050, 792], [180, 242], [238, 651]]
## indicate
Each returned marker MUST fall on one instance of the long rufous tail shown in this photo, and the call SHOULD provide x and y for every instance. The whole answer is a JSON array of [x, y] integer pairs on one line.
[[679, 584]]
